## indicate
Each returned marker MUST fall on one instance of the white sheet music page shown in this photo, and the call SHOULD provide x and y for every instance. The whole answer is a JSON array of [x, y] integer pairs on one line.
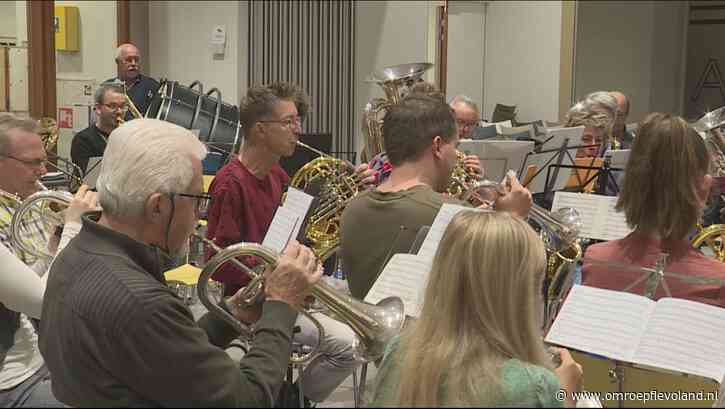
[[405, 276], [599, 219], [444, 216], [299, 203], [282, 229], [602, 322], [685, 336]]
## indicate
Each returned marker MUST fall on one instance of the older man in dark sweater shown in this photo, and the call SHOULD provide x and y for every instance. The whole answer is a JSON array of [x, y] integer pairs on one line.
[[113, 334]]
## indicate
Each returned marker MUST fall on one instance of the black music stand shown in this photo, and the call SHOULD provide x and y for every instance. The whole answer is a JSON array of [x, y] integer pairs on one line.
[[604, 176]]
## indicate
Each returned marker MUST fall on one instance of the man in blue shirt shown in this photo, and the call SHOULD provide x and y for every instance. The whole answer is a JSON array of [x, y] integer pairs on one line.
[[139, 88]]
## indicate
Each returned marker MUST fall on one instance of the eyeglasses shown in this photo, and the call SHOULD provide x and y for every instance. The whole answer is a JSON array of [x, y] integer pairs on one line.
[[33, 163], [464, 124], [114, 107], [287, 123], [202, 201]]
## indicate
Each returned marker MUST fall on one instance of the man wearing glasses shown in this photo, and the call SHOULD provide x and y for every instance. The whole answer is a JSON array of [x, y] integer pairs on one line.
[[246, 193], [110, 103], [139, 87], [114, 334], [467, 114]]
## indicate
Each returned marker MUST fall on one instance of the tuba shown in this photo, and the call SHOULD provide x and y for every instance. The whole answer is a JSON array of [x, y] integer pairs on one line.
[[37, 207], [559, 231], [338, 184], [374, 325], [395, 81]]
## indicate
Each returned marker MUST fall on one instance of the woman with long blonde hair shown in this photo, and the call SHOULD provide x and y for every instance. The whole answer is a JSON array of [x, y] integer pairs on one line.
[[478, 340]]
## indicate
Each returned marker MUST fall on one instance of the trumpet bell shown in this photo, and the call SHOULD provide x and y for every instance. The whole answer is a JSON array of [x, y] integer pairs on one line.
[[389, 318], [710, 120]]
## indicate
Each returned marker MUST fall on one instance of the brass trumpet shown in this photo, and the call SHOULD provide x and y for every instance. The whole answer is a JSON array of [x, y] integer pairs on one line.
[[134, 110], [373, 325]]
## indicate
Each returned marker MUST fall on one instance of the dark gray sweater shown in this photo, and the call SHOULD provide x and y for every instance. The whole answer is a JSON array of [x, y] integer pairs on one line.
[[113, 333]]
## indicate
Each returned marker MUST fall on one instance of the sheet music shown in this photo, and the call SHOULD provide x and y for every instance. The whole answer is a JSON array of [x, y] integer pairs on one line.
[[538, 183], [444, 216], [281, 230], [599, 219], [602, 322], [405, 276], [685, 336], [299, 203]]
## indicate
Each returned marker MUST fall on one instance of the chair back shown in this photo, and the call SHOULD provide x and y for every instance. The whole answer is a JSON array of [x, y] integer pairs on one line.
[[504, 113]]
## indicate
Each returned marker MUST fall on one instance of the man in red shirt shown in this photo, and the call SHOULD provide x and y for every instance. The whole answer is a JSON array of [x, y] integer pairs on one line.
[[246, 193]]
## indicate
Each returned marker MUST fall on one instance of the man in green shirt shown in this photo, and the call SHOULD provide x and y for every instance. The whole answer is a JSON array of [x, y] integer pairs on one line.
[[420, 137]]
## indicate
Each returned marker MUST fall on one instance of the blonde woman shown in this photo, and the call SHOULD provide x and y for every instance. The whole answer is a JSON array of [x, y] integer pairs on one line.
[[477, 341]]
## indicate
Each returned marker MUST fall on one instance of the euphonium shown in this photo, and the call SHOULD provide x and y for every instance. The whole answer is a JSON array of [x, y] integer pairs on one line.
[[37, 207], [394, 81], [338, 184], [373, 325]]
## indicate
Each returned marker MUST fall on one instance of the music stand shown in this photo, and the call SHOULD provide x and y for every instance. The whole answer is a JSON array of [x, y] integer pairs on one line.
[[497, 156], [652, 277], [604, 175]]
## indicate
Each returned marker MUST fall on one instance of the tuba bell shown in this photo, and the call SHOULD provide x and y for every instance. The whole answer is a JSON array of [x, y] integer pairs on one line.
[[395, 82], [374, 325]]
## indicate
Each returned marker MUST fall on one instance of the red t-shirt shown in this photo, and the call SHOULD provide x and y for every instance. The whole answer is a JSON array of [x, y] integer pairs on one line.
[[242, 208], [640, 250]]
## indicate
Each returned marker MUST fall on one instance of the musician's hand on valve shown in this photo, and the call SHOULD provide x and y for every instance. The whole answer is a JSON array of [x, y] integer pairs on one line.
[[297, 271], [570, 375], [473, 163], [517, 200], [366, 175], [84, 201]]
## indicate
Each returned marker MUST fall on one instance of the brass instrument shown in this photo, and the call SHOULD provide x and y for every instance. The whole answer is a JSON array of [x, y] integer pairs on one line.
[[394, 80], [338, 184], [713, 236], [373, 325], [559, 231], [131, 106], [37, 207], [49, 136], [462, 178]]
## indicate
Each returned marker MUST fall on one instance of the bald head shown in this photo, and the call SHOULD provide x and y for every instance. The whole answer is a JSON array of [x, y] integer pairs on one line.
[[128, 61], [622, 104]]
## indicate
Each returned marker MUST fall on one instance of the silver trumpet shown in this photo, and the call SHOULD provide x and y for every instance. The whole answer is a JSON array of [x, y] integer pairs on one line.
[[374, 325], [37, 207]]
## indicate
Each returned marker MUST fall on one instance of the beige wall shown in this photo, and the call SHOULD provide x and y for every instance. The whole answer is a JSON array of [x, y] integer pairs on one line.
[[98, 42], [179, 36], [704, 42], [635, 47]]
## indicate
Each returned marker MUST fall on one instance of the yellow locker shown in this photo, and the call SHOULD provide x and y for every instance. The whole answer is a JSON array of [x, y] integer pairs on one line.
[[65, 25]]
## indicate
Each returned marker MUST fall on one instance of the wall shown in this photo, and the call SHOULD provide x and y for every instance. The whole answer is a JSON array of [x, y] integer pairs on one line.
[[8, 25], [634, 47], [138, 28], [98, 42], [179, 36], [466, 29], [704, 42], [522, 58], [386, 33]]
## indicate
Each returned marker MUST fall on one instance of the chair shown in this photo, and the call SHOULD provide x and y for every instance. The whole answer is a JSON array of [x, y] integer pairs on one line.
[[504, 113], [213, 162]]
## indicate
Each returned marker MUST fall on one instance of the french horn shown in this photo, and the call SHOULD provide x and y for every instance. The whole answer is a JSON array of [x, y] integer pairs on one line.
[[36, 208], [374, 325]]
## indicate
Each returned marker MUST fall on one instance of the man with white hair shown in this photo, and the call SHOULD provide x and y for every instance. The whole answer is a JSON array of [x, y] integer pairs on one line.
[[114, 334], [468, 116], [139, 87]]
